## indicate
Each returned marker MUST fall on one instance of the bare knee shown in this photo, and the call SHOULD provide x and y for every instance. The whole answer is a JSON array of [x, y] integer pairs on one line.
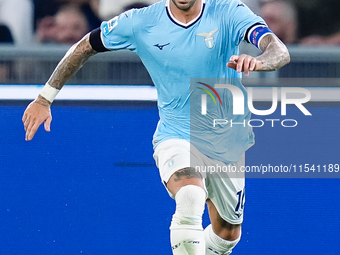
[[221, 227], [227, 231], [183, 177]]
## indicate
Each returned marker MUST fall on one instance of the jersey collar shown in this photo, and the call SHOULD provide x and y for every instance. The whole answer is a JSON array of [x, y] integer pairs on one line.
[[176, 21]]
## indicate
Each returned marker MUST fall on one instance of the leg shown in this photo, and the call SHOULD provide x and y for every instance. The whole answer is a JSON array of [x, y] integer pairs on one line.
[[221, 227], [187, 236], [221, 237], [175, 158], [225, 205], [183, 177]]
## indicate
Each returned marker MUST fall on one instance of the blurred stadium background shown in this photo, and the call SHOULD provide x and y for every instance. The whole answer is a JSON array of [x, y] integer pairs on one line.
[[91, 185]]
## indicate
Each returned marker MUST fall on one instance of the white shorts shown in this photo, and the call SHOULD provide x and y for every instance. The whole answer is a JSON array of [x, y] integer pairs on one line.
[[224, 183]]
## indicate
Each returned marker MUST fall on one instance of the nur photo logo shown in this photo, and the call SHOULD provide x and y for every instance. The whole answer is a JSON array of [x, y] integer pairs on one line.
[[238, 102]]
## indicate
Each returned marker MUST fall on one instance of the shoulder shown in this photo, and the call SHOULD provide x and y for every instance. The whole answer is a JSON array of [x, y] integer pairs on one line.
[[144, 18], [228, 9], [133, 19], [223, 3], [234, 12], [148, 12]]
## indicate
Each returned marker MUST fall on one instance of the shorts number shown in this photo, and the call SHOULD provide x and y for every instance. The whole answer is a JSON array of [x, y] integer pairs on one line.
[[240, 203]]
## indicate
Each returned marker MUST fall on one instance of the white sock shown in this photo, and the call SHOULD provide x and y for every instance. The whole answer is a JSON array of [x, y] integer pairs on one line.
[[187, 242], [215, 245], [187, 235]]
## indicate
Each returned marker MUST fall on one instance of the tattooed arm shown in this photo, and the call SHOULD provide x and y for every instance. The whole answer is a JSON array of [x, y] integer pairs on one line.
[[74, 59], [274, 56], [39, 110]]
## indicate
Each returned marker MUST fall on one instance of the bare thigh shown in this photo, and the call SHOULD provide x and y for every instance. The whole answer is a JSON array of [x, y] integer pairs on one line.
[[183, 177]]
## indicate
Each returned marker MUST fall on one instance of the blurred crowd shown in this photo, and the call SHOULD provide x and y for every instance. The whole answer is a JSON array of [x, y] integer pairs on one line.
[[27, 22], [305, 22]]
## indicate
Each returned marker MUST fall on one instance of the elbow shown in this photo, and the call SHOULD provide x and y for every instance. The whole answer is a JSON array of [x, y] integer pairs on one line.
[[285, 57]]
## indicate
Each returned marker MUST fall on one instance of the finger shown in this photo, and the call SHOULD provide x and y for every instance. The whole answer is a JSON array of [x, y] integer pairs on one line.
[[246, 64], [233, 58], [252, 65], [47, 123], [24, 117], [240, 62], [31, 131], [28, 127], [26, 123], [231, 65]]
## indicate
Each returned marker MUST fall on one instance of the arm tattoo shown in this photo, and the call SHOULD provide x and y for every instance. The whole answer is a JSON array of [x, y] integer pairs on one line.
[[42, 101], [74, 59], [186, 173], [274, 53]]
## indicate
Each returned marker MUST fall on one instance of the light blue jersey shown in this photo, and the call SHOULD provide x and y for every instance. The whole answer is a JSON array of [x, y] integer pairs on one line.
[[173, 53]]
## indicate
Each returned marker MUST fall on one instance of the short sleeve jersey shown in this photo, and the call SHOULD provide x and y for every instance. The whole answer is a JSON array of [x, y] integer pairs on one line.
[[173, 53]]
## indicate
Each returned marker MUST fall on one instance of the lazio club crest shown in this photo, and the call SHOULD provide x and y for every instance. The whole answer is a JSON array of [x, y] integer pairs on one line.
[[209, 39]]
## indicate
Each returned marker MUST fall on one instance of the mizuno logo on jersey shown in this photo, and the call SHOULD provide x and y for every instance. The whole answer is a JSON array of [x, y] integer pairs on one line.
[[209, 39], [240, 5], [161, 46]]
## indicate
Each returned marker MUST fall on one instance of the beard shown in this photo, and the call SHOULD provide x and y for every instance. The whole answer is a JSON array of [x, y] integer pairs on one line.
[[184, 5]]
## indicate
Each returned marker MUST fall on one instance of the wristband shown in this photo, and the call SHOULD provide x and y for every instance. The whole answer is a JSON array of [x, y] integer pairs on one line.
[[49, 93]]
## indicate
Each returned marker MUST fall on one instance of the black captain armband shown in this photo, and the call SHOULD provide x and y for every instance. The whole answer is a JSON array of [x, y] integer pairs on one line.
[[256, 32], [96, 41]]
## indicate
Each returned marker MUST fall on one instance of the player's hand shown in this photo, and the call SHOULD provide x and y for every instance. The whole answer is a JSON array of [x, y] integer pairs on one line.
[[36, 113], [244, 63]]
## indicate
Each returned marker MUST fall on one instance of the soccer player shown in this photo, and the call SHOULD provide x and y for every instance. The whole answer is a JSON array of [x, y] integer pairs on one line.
[[178, 40]]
